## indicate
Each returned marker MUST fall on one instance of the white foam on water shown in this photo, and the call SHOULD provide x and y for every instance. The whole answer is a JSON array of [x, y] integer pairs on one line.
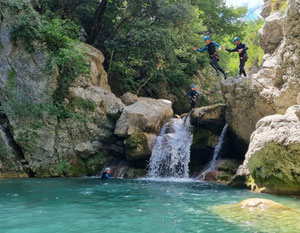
[[170, 179], [216, 154], [171, 154]]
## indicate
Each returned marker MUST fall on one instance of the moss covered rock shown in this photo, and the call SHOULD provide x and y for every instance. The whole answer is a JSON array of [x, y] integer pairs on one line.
[[260, 215], [273, 157], [139, 146], [134, 173], [277, 167]]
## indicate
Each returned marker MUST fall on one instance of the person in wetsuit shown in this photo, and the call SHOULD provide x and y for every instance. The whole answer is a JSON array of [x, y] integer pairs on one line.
[[193, 95], [242, 51], [106, 174], [214, 57]]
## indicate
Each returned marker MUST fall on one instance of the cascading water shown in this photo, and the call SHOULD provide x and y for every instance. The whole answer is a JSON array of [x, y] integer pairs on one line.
[[171, 153], [217, 150]]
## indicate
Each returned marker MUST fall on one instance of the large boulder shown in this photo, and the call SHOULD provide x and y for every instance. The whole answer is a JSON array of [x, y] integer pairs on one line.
[[273, 157], [274, 88], [145, 115], [129, 98]]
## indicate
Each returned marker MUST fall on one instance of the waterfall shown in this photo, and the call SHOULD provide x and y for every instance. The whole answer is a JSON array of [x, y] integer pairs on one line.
[[171, 153], [217, 150]]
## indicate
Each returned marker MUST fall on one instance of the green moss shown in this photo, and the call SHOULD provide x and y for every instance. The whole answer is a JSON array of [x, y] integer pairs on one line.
[[203, 138], [11, 81], [133, 173], [62, 168], [229, 166], [277, 167], [136, 147]]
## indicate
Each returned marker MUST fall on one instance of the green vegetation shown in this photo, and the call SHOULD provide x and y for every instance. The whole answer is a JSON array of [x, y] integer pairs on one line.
[[60, 39], [11, 79], [147, 44]]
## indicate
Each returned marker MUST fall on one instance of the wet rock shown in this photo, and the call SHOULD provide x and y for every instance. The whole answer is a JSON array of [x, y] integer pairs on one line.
[[260, 215], [134, 173], [139, 146], [208, 123]]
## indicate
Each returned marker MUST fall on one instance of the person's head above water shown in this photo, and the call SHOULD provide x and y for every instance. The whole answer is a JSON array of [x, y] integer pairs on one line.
[[108, 170], [236, 40], [207, 39], [193, 87]]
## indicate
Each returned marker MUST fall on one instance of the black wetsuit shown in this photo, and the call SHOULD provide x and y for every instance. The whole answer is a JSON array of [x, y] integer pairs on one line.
[[243, 56], [105, 176], [213, 55], [193, 96]]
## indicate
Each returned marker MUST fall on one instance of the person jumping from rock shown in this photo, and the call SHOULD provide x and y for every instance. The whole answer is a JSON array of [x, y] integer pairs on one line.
[[193, 95], [242, 51], [214, 57]]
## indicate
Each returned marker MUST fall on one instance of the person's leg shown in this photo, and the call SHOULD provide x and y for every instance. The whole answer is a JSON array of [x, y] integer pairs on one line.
[[242, 67], [217, 67], [192, 104], [213, 64]]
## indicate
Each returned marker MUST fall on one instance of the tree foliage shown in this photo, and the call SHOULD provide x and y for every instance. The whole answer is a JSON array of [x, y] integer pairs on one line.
[[148, 44]]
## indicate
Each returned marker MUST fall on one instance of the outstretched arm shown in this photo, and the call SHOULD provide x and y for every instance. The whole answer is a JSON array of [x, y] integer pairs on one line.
[[197, 93], [202, 50], [232, 50]]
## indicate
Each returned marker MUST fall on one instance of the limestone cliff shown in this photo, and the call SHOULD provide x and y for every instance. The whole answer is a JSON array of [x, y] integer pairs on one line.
[[272, 157], [36, 142], [277, 84]]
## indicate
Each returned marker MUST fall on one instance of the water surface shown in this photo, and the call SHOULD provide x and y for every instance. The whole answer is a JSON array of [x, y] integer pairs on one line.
[[118, 206]]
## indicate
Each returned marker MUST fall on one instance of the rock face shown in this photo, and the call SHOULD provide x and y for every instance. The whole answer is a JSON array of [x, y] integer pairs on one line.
[[224, 171], [208, 123], [139, 146], [271, 33], [46, 145], [276, 86], [38, 139], [97, 76], [266, 9], [273, 158], [145, 115]]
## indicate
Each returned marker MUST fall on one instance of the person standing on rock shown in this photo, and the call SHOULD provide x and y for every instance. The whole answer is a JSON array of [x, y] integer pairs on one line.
[[193, 95], [106, 174], [214, 57], [242, 51]]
